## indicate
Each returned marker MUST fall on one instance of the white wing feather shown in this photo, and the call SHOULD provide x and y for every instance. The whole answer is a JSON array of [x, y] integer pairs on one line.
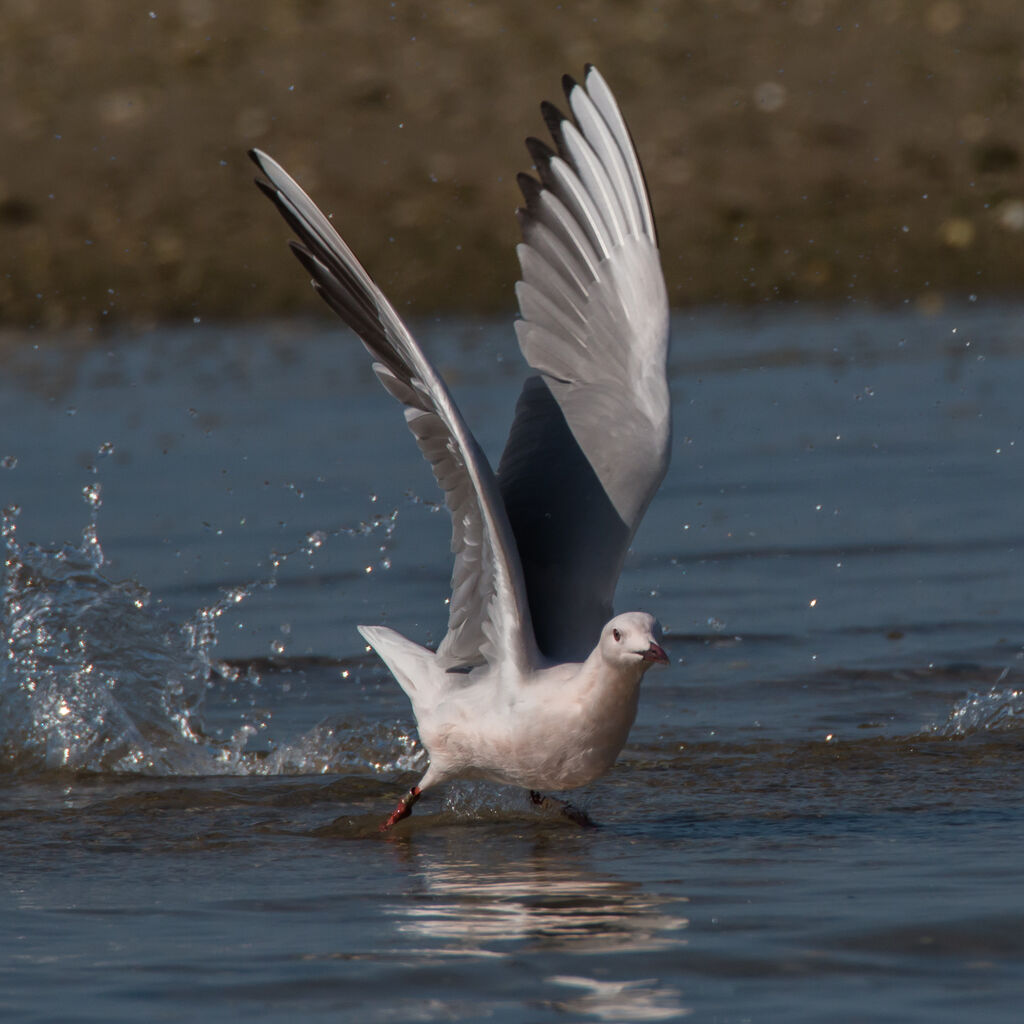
[[590, 442], [488, 615]]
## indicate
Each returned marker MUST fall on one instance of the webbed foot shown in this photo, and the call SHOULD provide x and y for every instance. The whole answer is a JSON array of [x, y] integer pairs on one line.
[[570, 811]]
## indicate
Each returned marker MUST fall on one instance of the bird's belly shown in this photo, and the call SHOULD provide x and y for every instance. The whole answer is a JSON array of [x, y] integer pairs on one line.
[[523, 751]]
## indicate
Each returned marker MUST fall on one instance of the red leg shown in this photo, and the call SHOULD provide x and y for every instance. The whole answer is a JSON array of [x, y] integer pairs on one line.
[[404, 808]]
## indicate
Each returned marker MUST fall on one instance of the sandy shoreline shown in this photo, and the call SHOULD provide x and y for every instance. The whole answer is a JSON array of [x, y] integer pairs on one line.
[[809, 150]]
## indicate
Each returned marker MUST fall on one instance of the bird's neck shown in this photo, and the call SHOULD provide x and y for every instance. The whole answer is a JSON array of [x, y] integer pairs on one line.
[[613, 682]]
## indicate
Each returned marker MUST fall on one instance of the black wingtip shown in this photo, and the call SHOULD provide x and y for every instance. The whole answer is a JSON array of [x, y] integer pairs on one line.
[[553, 118], [304, 256], [530, 187], [540, 152], [568, 84]]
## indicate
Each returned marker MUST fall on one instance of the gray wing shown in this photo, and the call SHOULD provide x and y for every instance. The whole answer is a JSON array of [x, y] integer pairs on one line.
[[590, 442], [488, 615]]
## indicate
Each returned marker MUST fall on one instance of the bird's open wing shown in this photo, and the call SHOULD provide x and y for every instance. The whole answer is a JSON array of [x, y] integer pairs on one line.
[[488, 616], [589, 445]]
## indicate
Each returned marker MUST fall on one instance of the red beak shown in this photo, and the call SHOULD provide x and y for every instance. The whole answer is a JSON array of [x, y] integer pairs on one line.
[[655, 653]]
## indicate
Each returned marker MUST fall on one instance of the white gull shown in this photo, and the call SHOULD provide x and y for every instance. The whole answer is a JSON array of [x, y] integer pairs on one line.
[[533, 685]]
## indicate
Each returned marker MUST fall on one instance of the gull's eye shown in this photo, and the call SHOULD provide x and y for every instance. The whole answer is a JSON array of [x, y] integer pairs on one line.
[[616, 635]]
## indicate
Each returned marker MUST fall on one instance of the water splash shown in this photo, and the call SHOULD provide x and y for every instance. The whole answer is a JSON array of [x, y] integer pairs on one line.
[[999, 710], [96, 676], [93, 675], [340, 744]]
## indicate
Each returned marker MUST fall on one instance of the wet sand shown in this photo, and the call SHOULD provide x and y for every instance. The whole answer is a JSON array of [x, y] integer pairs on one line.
[[810, 150]]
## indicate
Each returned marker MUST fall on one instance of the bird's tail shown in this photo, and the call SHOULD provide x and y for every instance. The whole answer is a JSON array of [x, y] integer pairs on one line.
[[410, 664]]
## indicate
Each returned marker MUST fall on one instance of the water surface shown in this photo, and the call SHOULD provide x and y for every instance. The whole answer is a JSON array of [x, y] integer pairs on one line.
[[819, 813]]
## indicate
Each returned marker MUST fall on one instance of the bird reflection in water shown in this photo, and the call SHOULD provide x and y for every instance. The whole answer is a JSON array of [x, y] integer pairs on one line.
[[547, 901]]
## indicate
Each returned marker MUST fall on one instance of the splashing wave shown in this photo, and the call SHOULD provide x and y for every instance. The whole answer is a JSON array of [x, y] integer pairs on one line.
[[96, 676], [999, 710]]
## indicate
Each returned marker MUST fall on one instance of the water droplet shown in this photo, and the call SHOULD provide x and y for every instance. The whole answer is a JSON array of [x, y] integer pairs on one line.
[[9, 462]]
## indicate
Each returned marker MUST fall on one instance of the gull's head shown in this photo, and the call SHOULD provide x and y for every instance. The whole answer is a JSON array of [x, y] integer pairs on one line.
[[633, 641]]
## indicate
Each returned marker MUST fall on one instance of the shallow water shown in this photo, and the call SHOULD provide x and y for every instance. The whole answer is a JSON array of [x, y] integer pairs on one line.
[[819, 814]]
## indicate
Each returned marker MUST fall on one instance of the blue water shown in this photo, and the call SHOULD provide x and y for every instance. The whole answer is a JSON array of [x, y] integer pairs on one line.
[[820, 812]]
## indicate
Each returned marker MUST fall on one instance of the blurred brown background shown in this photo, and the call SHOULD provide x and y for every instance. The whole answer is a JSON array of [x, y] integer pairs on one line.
[[810, 149]]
